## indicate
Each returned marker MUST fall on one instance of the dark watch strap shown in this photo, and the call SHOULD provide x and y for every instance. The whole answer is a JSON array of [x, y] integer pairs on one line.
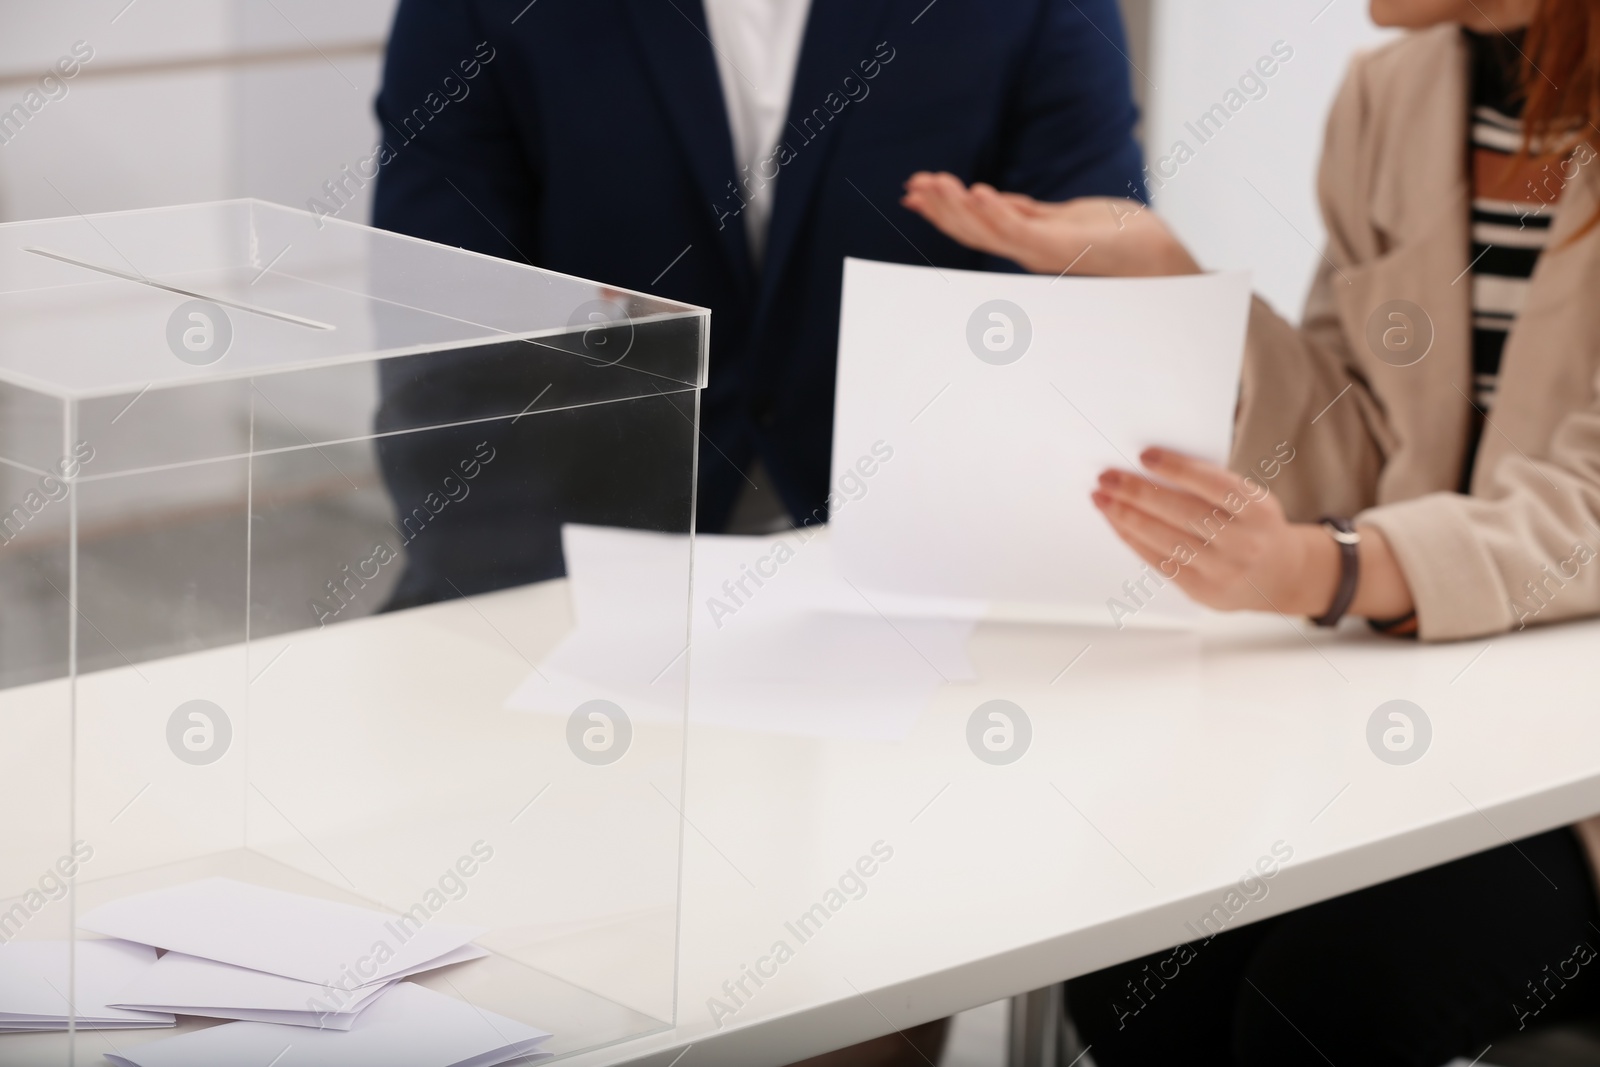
[[1343, 531]]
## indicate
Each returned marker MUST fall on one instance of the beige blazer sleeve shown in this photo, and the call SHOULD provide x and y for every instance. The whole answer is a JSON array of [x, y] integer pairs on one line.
[[1525, 555]]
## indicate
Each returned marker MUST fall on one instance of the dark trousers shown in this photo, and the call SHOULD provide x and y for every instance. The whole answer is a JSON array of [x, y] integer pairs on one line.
[[1411, 973]]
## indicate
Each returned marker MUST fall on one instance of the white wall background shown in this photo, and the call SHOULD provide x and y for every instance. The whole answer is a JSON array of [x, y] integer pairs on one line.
[[142, 125], [1247, 198]]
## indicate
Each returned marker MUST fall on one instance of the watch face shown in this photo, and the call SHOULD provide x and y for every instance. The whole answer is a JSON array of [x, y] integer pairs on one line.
[[1341, 531]]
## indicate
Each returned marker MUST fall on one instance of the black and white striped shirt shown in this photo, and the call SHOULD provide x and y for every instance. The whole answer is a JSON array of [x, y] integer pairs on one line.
[[1513, 206]]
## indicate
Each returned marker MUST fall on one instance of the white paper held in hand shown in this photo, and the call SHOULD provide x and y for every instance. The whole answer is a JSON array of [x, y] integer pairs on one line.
[[306, 938], [1003, 396], [408, 1026]]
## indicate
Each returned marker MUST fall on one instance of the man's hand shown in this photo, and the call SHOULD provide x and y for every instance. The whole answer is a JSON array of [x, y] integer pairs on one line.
[[1097, 235]]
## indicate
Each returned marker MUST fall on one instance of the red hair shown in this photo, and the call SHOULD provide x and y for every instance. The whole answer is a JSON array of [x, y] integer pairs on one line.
[[1561, 80]]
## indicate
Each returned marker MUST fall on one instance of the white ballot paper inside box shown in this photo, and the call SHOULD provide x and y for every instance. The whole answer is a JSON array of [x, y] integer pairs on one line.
[[408, 1026], [49, 985], [975, 411], [189, 985], [320, 942]]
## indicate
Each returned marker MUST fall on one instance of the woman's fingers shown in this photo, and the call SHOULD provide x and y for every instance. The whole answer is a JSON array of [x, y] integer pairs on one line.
[[1204, 570], [1156, 559], [1141, 530], [1207, 481], [1176, 507]]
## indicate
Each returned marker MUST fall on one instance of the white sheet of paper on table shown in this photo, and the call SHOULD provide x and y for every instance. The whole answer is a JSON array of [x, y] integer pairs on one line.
[[35, 985], [985, 498], [408, 1026], [287, 934], [801, 653]]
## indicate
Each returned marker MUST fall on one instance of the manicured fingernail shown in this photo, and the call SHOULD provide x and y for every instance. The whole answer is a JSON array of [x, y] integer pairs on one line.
[[1110, 479], [1100, 499], [1152, 457]]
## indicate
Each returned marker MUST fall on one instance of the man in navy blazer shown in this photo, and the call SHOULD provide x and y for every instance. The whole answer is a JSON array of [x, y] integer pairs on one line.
[[592, 139]]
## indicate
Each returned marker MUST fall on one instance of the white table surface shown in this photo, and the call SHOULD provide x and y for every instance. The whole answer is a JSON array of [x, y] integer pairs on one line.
[[1162, 766]]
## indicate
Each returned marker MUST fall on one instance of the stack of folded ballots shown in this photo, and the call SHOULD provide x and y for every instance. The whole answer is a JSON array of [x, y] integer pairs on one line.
[[408, 1026], [239, 951], [37, 985], [289, 969]]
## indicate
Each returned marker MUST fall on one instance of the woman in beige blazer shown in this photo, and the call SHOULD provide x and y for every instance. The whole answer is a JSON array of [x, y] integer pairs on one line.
[[1442, 401]]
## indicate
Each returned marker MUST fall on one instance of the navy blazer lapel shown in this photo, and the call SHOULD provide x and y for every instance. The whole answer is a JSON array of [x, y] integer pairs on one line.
[[675, 41], [839, 35]]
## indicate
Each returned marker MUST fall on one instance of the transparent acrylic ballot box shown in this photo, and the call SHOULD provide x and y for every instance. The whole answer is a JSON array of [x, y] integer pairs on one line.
[[286, 506]]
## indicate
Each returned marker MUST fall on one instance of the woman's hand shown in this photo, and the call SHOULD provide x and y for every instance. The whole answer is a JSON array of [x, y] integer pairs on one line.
[[1225, 541], [1091, 235], [1222, 538]]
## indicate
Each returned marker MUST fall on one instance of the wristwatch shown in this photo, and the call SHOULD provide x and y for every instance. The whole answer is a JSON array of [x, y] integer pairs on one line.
[[1344, 533]]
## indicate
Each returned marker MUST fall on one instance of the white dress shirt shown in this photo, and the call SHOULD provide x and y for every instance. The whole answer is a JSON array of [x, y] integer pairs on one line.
[[757, 44]]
